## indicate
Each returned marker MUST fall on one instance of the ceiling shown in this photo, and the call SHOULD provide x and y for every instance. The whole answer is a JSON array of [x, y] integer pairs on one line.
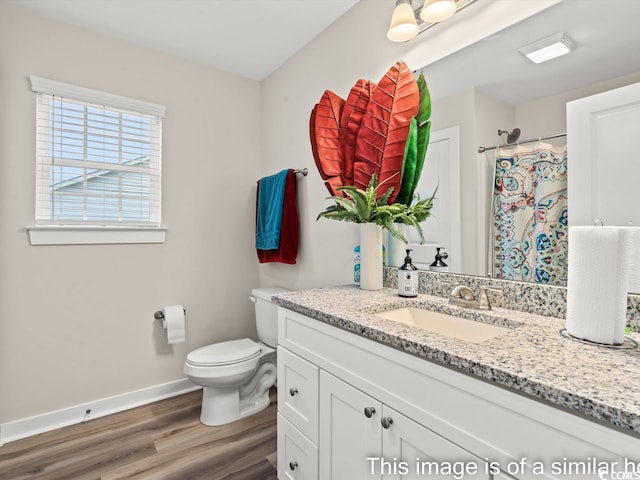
[[608, 45], [250, 38]]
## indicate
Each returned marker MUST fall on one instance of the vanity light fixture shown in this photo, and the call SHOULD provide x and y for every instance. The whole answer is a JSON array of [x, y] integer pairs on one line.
[[403, 22], [437, 10], [407, 22], [548, 48]]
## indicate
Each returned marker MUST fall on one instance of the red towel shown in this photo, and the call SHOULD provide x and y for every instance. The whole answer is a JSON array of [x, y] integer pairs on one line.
[[288, 249]]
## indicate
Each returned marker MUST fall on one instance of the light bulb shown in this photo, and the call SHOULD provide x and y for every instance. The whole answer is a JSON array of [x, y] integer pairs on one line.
[[437, 10]]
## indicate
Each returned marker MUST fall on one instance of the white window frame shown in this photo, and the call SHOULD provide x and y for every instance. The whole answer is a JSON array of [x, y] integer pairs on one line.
[[52, 232]]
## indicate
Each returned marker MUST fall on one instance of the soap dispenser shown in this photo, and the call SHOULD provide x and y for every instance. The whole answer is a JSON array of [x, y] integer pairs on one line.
[[408, 278], [438, 265]]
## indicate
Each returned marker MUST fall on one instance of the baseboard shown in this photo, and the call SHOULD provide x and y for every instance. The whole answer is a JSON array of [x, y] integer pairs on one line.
[[26, 427]]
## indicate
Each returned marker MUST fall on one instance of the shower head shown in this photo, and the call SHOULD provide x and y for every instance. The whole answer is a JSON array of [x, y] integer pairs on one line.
[[512, 136]]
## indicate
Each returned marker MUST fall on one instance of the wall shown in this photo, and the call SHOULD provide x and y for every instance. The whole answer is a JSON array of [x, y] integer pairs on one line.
[[548, 116], [76, 322]]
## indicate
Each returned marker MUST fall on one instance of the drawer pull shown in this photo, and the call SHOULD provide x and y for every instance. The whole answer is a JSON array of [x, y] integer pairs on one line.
[[293, 391], [369, 411], [293, 465], [386, 422]]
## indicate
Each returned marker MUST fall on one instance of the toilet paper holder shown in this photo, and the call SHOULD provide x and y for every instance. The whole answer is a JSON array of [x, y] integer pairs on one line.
[[159, 315]]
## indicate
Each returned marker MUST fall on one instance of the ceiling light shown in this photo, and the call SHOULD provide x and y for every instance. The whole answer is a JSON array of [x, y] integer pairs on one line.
[[403, 22], [407, 22], [437, 10], [548, 48]]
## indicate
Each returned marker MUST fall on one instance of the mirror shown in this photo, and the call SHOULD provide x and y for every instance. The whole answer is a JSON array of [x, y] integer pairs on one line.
[[491, 85]]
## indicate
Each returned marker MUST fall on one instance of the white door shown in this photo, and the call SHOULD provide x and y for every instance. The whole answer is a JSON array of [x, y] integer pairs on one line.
[[348, 435], [442, 170], [603, 160], [423, 453]]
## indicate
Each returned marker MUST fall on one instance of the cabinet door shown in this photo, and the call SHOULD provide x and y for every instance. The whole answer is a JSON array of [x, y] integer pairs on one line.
[[298, 392], [503, 476], [349, 435], [297, 456], [408, 446]]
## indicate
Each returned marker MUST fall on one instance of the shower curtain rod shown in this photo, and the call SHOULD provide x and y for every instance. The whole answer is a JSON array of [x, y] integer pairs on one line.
[[484, 149]]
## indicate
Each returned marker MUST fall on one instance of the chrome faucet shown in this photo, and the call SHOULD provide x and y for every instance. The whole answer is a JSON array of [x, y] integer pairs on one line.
[[463, 296]]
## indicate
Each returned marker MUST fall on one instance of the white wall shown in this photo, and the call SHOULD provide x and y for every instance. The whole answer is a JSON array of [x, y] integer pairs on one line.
[[76, 322], [548, 116]]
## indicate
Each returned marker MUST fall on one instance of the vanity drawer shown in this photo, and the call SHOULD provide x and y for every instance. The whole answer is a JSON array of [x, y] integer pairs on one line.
[[297, 455], [298, 392]]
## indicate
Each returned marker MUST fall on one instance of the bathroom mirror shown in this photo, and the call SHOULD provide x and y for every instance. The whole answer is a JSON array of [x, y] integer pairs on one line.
[[531, 96]]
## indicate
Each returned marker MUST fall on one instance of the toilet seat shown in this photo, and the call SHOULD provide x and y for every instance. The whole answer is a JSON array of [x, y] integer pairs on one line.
[[224, 353]]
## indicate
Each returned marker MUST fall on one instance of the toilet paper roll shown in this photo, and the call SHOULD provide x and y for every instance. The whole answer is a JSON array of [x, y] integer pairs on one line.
[[174, 323], [597, 283]]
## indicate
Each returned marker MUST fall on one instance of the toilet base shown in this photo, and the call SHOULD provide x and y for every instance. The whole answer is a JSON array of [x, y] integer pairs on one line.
[[226, 405], [223, 405]]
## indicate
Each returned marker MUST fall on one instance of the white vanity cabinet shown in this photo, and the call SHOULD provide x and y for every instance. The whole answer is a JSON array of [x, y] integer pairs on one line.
[[362, 438], [502, 476], [439, 415]]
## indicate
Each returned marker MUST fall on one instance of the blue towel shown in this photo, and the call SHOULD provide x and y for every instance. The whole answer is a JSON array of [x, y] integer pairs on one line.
[[269, 210]]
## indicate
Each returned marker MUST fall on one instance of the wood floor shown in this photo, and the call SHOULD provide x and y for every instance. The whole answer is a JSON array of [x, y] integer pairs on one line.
[[164, 440]]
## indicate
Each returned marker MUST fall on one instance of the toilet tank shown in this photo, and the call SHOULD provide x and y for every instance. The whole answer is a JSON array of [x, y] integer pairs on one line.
[[266, 314]]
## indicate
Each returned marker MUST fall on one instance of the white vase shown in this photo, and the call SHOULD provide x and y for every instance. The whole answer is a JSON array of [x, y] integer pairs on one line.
[[397, 250], [370, 256]]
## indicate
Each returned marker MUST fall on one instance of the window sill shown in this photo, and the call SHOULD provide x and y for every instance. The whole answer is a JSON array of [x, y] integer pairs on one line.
[[94, 235]]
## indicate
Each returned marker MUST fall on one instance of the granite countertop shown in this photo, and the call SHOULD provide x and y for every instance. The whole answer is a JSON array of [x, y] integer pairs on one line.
[[533, 358]]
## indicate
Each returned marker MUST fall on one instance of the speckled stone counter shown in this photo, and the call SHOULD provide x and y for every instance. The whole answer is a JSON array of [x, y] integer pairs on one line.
[[533, 358]]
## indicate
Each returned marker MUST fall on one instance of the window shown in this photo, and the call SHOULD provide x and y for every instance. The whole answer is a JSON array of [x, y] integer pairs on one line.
[[98, 159]]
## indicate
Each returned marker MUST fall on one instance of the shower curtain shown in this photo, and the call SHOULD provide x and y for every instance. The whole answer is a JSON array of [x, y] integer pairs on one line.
[[529, 214]]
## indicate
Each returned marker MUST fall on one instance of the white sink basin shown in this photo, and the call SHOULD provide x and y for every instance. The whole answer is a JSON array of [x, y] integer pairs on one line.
[[461, 328]]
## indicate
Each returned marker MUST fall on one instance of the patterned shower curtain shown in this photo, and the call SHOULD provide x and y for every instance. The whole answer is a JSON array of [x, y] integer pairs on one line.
[[529, 216]]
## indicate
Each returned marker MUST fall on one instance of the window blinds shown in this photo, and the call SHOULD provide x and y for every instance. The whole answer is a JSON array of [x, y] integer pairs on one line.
[[96, 163]]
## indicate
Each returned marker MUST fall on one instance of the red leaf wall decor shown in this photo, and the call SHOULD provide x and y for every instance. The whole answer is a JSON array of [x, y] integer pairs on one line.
[[354, 108], [324, 128], [384, 129]]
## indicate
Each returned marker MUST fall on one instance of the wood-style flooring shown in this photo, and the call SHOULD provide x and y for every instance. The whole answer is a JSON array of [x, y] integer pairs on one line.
[[163, 440]]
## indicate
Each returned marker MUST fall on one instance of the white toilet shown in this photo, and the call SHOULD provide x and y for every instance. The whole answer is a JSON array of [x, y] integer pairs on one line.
[[238, 374]]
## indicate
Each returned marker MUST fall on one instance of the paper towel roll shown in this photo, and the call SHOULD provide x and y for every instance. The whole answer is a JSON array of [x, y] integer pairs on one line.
[[173, 322], [634, 259], [597, 283]]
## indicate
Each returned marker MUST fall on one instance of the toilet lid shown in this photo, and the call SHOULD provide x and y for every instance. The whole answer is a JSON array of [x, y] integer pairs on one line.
[[224, 353]]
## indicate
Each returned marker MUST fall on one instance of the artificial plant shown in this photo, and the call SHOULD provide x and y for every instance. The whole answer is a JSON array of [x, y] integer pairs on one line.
[[369, 206]]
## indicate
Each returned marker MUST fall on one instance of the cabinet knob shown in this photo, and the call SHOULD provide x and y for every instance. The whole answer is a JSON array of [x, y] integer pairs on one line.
[[369, 411], [293, 391], [293, 465], [386, 422]]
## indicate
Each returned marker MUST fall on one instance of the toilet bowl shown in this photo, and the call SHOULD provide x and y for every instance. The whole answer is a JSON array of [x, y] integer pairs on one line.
[[236, 375]]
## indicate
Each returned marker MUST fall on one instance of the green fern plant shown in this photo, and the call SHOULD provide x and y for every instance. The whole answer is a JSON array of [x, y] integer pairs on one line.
[[361, 206]]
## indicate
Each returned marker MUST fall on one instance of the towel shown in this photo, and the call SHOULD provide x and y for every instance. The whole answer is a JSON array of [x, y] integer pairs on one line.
[[287, 251], [269, 210]]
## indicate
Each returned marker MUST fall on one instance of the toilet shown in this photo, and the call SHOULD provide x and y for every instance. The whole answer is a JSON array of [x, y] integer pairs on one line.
[[236, 375]]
